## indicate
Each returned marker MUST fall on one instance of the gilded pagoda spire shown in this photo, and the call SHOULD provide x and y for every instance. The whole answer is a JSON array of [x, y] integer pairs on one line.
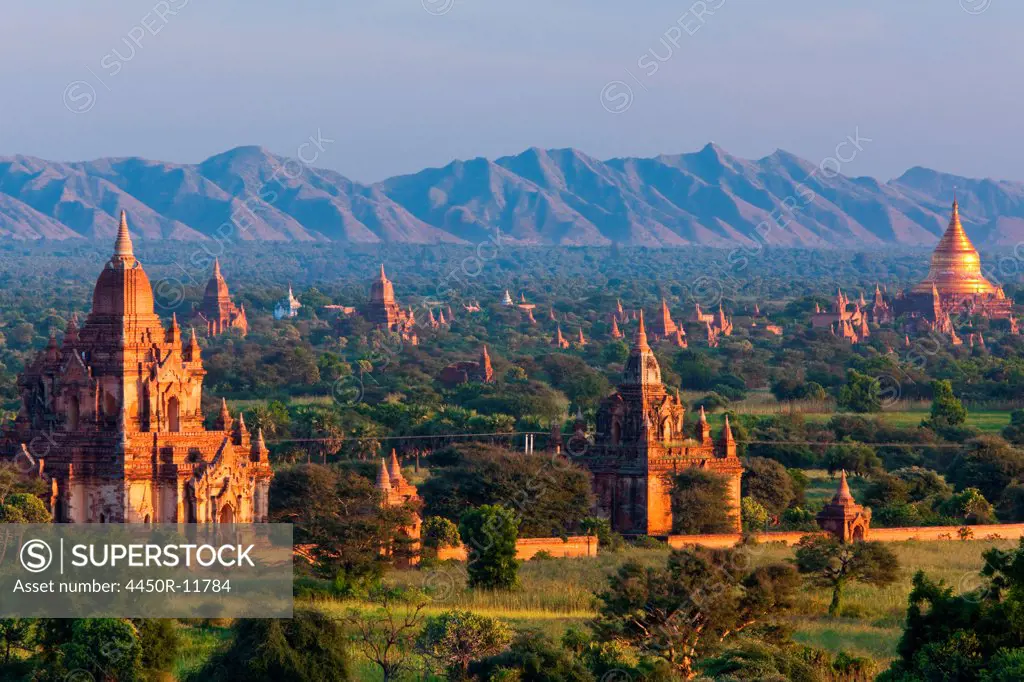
[[956, 265]]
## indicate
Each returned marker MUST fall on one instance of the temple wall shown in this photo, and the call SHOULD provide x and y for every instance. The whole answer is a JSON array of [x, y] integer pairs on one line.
[[1005, 531], [659, 505], [526, 548]]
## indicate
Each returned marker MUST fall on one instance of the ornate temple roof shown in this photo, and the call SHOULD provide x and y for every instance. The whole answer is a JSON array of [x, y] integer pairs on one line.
[[956, 265]]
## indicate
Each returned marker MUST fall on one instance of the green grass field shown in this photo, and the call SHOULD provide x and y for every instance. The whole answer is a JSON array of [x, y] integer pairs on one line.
[[988, 421], [558, 593]]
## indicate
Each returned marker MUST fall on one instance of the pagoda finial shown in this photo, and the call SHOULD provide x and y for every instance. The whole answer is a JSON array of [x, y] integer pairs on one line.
[[703, 416], [394, 469], [640, 340], [843, 494], [123, 244], [382, 275], [216, 267], [383, 479]]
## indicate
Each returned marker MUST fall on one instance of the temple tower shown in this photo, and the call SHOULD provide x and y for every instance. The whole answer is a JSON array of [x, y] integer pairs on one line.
[[118, 406], [641, 443]]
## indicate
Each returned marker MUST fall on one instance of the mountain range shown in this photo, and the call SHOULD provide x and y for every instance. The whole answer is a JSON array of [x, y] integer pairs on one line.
[[553, 196]]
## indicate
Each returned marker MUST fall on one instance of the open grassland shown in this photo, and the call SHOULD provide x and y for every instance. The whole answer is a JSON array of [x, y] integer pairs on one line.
[[558, 593], [987, 421]]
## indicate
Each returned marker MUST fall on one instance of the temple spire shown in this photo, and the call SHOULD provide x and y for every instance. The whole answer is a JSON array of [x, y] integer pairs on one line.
[[395, 469], [843, 494], [123, 249], [216, 267], [383, 479], [640, 339]]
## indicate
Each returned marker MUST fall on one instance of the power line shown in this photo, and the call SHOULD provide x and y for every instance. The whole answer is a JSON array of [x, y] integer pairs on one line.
[[547, 433]]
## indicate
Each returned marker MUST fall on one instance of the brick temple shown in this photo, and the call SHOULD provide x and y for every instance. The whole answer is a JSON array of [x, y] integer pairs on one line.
[[641, 442], [112, 418], [217, 313]]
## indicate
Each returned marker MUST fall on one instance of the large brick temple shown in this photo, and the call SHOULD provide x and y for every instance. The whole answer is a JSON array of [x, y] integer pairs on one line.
[[641, 442], [112, 419], [955, 285], [217, 313]]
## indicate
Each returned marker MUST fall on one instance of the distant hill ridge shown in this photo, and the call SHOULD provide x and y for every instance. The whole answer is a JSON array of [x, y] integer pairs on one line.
[[541, 196]]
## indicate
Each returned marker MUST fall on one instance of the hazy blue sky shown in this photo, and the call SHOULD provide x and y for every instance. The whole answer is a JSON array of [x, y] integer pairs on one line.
[[399, 88]]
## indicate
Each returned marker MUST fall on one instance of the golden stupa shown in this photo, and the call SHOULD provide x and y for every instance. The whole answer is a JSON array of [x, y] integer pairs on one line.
[[956, 265]]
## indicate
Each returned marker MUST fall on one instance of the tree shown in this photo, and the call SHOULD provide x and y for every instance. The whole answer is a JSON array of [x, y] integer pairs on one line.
[[857, 458], [987, 463], [456, 638], [768, 482], [160, 642], [862, 393], [550, 494], [607, 539], [439, 533], [828, 563], [14, 636], [755, 516], [489, 534], [104, 648], [533, 657], [23, 508], [340, 517], [308, 647], [700, 599], [700, 503], [947, 410], [387, 634], [922, 483], [1015, 431], [973, 636], [969, 506]]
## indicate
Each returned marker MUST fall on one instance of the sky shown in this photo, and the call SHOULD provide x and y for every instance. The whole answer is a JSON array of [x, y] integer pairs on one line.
[[394, 86]]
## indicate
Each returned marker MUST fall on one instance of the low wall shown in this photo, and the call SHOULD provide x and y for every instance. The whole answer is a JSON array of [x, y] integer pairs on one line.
[[526, 548], [718, 541], [1005, 531]]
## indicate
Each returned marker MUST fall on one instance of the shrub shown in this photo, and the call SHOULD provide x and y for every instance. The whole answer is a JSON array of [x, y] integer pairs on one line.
[[489, 534]]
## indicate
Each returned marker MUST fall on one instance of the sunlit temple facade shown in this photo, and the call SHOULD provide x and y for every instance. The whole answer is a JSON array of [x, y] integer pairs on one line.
[[955, 286], [112, 418], [641, 442]]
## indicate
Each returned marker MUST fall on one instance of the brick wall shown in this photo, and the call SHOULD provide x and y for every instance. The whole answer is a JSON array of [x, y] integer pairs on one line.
[[1006, 531], [526, 548]]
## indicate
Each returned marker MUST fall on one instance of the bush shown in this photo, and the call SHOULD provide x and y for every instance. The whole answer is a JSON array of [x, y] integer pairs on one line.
[[309, 647], [160, 642], [457, 638], [607, 539], [439, 533], [534, 657], [699, 503], [489, 534], [755, 516]]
